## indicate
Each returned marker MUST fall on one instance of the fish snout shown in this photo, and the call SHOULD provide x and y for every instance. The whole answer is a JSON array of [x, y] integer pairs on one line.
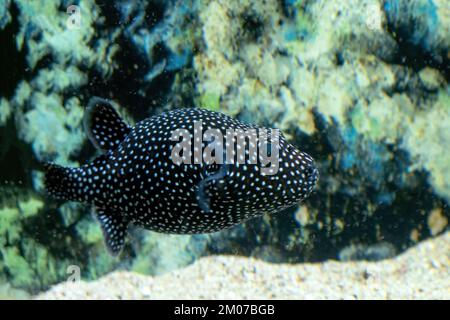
[[312, 174]]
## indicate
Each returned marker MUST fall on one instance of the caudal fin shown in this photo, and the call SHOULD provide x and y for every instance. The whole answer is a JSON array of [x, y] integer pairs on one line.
[[57, 181]]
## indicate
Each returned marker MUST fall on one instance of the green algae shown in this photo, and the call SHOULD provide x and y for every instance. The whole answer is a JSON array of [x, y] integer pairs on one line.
[[89, 231], [26, 263], [30, 207], [21, 274], [5, 111], [10, 228], [210, 101]]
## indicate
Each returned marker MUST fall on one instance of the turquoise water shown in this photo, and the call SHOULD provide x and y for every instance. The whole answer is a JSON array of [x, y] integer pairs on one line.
[[360, 86]]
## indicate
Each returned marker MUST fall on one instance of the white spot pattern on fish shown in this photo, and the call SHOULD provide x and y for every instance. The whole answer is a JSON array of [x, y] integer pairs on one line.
[[135, 180]]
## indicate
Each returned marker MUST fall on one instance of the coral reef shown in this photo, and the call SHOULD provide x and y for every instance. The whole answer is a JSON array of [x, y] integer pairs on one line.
[[360, 85], [25, 262], [64, 53]]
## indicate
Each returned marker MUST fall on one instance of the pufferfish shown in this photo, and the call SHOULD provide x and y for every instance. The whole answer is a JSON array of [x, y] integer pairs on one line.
[[136, 180]]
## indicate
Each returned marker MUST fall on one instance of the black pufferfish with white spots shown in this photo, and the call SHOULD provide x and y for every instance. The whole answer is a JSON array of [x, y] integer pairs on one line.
[[136, 181]]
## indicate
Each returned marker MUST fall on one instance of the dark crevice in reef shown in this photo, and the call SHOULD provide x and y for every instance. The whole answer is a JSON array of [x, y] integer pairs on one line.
[[48, 229], [252, 27], [154, 13], [127, 84], [411, 52], [416, 58], [86, 153], [43, 63], [409, 83], [15, 155], [123, 85], [13, 64], [123, 13], [392, 223]]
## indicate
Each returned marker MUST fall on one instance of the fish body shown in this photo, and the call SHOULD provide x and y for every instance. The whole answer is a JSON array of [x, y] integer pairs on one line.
[[138, 178]]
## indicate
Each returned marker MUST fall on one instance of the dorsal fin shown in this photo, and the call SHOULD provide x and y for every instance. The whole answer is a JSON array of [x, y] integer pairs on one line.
[[114, 228], [103, 125]]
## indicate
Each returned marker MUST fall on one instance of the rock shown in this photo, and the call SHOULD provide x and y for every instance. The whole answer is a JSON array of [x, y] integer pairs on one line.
[[376, 252], [431, 79], [5, 111], [437, 221]]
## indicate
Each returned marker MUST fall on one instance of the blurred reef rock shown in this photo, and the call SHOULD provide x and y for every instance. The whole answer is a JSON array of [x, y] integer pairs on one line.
[[362, 85]]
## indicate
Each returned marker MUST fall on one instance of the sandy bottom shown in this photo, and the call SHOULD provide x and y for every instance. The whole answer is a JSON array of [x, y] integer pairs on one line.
[[423, 272]]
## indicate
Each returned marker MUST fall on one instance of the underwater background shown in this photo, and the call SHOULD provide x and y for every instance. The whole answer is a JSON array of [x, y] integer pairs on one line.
[[361, 85]]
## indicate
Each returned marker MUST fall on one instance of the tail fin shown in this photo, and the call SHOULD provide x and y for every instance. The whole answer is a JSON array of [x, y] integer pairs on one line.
[[57, 181]]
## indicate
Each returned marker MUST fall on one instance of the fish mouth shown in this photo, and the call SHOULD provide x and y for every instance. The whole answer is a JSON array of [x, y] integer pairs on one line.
[[316, 175], [313, 174]]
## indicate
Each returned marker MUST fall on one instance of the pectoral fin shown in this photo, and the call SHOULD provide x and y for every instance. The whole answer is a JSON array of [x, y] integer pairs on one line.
[[212, 178], [114, 229]]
